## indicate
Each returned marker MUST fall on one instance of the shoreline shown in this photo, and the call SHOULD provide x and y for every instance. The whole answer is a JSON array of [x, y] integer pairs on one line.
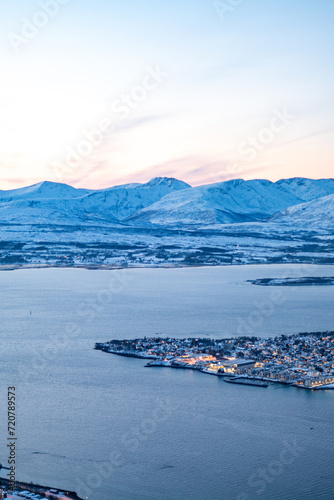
[[37, 489], [239, 379], [108, 267], [18, 267], [227, 377]]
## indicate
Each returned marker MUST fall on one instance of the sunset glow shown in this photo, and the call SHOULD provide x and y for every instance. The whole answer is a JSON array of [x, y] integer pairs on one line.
[[187, 89]]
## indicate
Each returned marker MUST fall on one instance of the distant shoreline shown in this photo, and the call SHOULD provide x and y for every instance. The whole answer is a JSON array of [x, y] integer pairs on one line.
[[108, 267], [93, 267], [18, 267]]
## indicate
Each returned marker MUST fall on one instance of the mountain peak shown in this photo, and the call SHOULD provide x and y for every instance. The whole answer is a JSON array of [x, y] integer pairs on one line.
[[167, 181], [44, 189]]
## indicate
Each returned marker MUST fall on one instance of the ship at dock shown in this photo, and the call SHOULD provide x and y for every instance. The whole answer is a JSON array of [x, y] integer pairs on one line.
[[246, 381]]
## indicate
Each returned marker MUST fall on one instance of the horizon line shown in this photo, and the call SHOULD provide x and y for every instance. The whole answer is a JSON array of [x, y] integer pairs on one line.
[[45, 181]]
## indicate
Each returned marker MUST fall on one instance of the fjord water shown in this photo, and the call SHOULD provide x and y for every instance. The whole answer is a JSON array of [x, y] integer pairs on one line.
[[110, 428]]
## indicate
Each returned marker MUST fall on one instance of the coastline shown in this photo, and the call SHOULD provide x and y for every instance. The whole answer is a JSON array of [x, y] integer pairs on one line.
[[108, 267], [227, 377], [50, 491], [18, 267]]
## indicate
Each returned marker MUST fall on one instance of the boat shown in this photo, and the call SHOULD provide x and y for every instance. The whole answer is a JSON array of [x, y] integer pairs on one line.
[[246, 381], [158, 362]]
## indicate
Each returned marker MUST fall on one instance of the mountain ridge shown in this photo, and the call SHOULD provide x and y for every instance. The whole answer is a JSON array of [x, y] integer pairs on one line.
[[165, 222], [232, 201], [163, 202]]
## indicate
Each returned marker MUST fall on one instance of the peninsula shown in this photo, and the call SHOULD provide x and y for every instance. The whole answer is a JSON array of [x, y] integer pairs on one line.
[[303, 360]]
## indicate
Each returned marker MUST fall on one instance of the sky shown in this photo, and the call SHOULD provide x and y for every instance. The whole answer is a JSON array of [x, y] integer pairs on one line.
[[104, 92]]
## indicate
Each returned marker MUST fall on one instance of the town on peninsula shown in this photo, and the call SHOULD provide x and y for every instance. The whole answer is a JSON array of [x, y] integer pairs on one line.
[[303, 360]]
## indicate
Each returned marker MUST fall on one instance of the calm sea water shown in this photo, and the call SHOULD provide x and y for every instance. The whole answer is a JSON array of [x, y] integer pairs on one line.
[[110, 428]]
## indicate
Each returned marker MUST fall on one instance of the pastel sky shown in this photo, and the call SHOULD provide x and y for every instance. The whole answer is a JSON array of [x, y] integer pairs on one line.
[[103, 92]]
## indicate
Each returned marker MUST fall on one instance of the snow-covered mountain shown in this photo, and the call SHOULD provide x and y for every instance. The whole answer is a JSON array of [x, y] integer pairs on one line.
[[307, 189], [123, 201], [163, 202], [230, 202], [316, 213], [47, 211], [49, 202], [167, 222], [43, 190], [42, 203]]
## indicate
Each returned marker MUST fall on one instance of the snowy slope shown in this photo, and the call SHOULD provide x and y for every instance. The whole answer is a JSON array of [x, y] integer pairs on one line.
[[123, 201], [319, 213], [43, 190], [48, 211], [49, 202], [42, 203], [230, 202], [307, 189]]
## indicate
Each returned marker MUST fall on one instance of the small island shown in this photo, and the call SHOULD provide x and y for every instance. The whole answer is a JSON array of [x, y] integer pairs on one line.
[[304, 281], [303, 360]]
